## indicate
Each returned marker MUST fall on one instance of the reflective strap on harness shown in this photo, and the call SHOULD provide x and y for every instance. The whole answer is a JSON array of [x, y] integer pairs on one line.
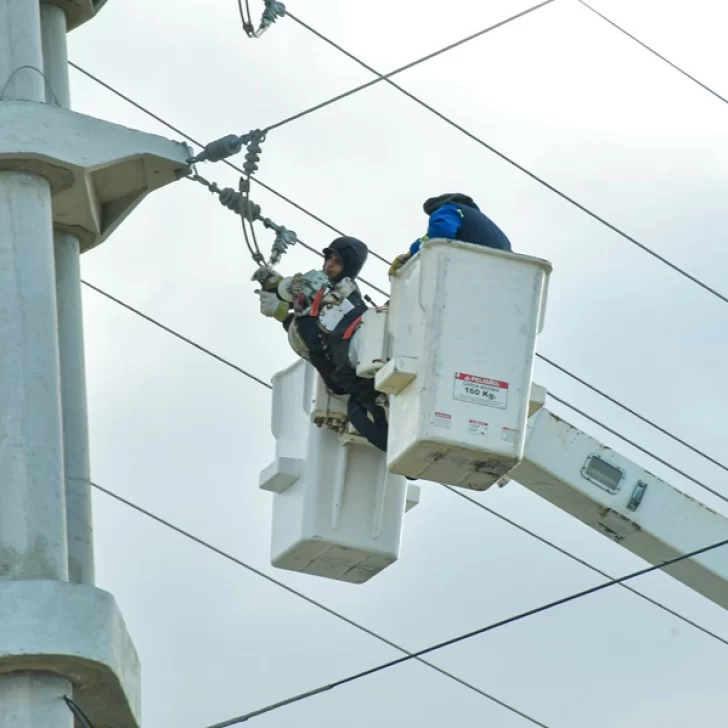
[[352, 328], [317, 302]]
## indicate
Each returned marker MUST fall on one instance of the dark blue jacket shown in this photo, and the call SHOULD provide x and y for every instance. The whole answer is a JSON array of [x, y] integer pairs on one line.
[[457, 217]]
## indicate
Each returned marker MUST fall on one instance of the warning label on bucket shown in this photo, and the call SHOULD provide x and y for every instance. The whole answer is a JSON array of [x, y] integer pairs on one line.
[[476, 427], [442, 419], [480, 390]]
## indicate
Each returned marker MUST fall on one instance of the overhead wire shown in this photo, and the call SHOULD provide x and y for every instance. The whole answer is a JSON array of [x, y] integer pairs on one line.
[[468, 635], [455, 491], [176, 334], [314, 602], [145, 110], [654, 52], [633, 412], [313, 250], [383, 259], [387, 77]]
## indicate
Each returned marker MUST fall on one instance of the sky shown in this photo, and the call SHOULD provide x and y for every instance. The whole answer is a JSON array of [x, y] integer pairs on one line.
[[564, 95]]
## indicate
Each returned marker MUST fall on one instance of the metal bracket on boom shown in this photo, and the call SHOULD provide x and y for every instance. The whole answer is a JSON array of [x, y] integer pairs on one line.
[[624, 502]]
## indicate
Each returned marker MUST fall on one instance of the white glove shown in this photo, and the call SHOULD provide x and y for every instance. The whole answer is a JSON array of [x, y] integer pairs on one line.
[[267, 277], [272, 306]]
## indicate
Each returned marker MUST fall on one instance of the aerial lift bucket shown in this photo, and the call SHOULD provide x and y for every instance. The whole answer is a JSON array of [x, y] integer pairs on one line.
[[463, 321], [337, 511]]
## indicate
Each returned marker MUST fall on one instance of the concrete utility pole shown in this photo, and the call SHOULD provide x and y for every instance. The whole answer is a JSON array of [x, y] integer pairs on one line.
[[66, 182]]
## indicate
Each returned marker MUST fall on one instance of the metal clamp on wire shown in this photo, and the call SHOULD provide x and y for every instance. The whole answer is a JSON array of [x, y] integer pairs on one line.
[[273, 11]]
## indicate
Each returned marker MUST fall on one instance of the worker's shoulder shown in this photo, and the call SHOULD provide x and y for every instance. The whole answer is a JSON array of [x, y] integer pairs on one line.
[[449, 208]]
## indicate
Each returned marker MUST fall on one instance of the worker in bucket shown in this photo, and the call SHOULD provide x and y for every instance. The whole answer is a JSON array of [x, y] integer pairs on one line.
[[455, 216], [320, 314]]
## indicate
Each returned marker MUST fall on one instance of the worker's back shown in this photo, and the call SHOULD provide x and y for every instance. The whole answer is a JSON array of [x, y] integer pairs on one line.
[[458, 215], [479, 229]]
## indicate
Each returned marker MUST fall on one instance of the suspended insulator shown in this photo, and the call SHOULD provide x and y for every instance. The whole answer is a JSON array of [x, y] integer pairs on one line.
[[284, 239], [220, 149], [253, 154], [249, 210], [231, 199]]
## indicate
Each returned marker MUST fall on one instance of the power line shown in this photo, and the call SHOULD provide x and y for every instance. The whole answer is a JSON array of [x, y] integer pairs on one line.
[[381, 258], [196, 142], [583, 562], [239, 369], [387, 77], [467, 636], [654, 52], [160, 325], [314, 602], [113, 90], [313, 216], [457, 492]]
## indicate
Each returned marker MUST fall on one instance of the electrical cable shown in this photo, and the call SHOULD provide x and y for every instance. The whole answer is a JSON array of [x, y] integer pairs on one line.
[[468, 635], [654, 52], [583, 562], [171, 331], [80, 716], [384, 260], [401, 69], [376, 288], [457, 492], [632, 412], [387, 77], [314, 602], [192, 140]]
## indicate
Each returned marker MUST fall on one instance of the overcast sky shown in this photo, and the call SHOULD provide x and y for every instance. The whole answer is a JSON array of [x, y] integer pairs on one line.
[[580, 105]]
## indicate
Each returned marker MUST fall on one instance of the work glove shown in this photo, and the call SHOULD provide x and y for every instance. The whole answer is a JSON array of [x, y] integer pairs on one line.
[[267, 277], [398, 262], [272, 306], [298, 283]]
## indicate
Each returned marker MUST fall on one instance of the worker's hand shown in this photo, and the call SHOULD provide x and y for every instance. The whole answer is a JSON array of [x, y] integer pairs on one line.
[[298, 283], [398, 262], [272, 306], [267, 277]]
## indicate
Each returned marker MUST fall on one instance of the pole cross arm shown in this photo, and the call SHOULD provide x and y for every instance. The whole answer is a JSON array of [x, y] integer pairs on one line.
[[98, 171], [78, 11]]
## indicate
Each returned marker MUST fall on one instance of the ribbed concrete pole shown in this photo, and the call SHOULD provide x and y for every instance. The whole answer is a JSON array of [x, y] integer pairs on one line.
[[32, 504], [70, 333]]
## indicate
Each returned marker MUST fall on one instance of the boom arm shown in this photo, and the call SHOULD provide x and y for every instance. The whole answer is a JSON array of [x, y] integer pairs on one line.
[[624, 502]]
